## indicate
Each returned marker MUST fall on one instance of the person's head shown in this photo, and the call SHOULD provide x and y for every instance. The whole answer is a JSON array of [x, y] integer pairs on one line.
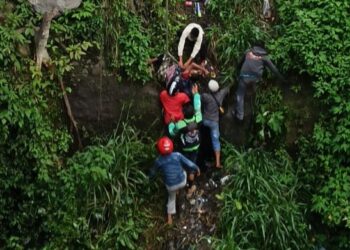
[[173, 87], [165, 146], [259, 48], [259, 43], [188, 110], [194, 33], [213, 86]]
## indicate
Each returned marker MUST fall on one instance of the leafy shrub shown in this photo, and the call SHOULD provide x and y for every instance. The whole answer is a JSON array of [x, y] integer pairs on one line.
[[237, 26], [126, 41], [333, 199], [100, 192], [270, 116], [46, 202], [259, 208], [314, 38], [30, 147]]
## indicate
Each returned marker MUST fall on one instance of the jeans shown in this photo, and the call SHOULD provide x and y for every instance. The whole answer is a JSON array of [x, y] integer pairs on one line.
[[240, 93], [171, 206], [214, 133]]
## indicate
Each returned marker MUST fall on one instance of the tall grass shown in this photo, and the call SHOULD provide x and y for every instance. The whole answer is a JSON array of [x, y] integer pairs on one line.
[[259, 209], [101, 194], [236, 25]]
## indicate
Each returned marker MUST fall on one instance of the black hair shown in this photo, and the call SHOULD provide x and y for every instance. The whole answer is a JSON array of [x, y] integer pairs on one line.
[[260, 43], [194, 32], [173, 87], [188, 110]]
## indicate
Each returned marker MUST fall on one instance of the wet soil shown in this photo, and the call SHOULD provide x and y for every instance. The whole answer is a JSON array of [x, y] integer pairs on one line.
[[197, 216]]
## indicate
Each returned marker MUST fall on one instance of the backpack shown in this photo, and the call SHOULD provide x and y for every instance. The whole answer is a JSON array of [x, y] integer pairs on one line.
[[173, 73], [190, 137], [165, 65]]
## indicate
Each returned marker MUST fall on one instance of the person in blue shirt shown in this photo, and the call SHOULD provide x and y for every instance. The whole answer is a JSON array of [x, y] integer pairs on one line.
[[175, 177]]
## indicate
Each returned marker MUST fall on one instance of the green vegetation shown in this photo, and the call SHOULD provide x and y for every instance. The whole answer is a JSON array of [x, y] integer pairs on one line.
[[97, 198], [260, 208], [315, 39]]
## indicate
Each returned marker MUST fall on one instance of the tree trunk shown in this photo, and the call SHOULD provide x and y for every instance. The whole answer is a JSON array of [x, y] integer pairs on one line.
[[43, 36]]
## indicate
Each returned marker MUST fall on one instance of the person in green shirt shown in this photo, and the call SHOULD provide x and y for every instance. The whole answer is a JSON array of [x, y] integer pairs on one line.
[[188, 130]]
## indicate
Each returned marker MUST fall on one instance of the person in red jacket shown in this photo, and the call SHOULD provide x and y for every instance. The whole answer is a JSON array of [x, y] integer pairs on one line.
[[172, 101]]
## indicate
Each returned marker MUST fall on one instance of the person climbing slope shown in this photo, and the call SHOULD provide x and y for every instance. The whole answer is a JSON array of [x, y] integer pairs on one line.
[[171, 165], [251, 69], [212, 102], [188, 129], [192, 36]]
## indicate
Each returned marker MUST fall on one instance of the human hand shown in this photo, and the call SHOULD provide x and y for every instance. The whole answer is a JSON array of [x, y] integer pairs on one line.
[[195, 89], [189, 61], [181, 64], [198, 172]]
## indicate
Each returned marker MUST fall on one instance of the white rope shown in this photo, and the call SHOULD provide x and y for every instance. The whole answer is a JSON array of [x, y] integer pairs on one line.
[[266, 8]]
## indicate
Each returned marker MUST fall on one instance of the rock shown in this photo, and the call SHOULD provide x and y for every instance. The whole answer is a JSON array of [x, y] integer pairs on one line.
[[225, 179], [192, 202], [96, 70]]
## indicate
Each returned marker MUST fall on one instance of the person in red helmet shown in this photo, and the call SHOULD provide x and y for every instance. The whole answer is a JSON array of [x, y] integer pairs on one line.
[[171, 165]]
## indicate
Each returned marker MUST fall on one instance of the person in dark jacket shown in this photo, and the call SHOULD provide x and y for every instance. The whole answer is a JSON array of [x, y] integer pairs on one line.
[[170, 164], [251, 70], [211, 103]]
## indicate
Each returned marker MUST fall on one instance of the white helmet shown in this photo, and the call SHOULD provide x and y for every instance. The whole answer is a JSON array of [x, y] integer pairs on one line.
[[213, 85]]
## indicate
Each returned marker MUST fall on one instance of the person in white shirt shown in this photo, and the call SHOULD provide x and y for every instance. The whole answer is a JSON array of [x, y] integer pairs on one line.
[[193, 35]]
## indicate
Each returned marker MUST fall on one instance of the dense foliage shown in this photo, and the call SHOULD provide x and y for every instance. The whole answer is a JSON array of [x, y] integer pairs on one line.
[[94, 199], [314, 38], [309, 38], [47, 201], [260, 208], [237, 26]]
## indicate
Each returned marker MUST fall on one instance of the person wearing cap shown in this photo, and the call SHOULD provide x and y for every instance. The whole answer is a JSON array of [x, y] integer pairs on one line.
[[251, 69], [211, 103], [192, 36], [172, 101], [171, 165]]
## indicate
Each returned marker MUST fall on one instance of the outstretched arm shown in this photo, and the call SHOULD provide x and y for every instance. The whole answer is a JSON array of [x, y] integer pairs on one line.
[[181, 45], [189, 165], [198, 67], [273, 68]]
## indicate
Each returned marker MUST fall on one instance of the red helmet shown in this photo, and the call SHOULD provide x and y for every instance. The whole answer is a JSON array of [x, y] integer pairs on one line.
[[165, 146]]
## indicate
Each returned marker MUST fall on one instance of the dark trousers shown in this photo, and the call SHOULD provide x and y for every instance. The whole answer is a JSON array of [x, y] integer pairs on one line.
[[240, 94], [192, 156]]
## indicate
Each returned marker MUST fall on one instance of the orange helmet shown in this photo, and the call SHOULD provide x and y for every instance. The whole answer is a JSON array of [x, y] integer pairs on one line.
[[165, 146]]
